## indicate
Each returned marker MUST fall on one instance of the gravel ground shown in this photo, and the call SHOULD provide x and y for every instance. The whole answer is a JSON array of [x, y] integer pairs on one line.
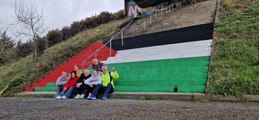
[[39, 108]]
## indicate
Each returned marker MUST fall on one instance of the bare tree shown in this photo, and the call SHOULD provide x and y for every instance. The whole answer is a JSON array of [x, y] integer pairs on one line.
[[1, 27], [31, 22]]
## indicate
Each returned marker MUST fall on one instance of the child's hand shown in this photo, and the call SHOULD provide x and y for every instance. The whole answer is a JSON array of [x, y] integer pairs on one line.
[[113, 69], [78, 85]]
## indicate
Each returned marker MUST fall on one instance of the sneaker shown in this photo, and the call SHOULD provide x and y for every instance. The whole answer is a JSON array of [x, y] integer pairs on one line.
[[89, 96], [63, 97], [92, 98], [58, 97], [77, 96], [82, 96], [105, 98]]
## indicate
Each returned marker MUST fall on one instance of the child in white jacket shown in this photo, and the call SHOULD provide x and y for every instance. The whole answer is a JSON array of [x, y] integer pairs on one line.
[[92, 82]]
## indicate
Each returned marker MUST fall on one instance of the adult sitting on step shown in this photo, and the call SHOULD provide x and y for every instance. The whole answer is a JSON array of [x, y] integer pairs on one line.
[[69, 87], [96, 65], [92, 82], [80, 87], [107, 85], [61, 82]]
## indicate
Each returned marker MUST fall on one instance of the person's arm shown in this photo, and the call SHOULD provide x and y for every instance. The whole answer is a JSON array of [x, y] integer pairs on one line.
[[87, 81], [66, 86], [59, 82], [63, 82], [114, 74], [99, 81], [100, 65]]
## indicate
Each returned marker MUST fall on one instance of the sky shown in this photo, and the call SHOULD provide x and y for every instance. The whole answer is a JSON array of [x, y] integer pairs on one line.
[[57, 13]]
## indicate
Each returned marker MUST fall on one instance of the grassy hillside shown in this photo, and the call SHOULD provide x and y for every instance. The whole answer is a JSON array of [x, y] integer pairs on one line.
[[18, 74], [235, 64]]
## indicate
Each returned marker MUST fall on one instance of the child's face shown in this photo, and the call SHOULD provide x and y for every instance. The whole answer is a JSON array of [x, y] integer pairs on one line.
[[76, 68], [64, 74], [95, 73], [73, 75]]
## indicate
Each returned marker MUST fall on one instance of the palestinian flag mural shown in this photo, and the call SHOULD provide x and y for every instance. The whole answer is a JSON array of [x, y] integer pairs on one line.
[[168, 61]]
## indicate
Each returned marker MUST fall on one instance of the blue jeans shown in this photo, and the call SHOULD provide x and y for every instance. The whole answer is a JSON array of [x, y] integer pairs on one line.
[[106, 90], [67, 93]]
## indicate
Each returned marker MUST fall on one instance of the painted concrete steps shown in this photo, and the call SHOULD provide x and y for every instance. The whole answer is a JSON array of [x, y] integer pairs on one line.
[[141, 76], [183, 72], [158, 88], [68, 65], [147, 82], [188, 34], [153, 88], [161, 61]]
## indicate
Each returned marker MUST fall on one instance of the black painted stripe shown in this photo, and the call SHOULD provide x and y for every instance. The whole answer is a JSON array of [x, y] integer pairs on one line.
[[187, 34]]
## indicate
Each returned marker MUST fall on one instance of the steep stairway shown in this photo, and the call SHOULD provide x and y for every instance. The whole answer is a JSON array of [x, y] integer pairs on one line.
[[176, 63], [46, 82]]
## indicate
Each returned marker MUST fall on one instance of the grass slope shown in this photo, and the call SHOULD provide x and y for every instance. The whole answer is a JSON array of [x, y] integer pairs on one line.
[[15, 75], [235, 64]]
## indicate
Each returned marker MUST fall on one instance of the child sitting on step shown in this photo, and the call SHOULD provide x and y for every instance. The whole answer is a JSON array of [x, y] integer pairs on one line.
[[77, 70], [61, 82], [69, 87], [92, 82]]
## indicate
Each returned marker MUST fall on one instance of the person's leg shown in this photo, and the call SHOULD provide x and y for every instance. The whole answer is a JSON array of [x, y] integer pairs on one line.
[[59, 89], [107, 91], [88, 90], [69, 92], [62, 93], [75, 93], [95, 92], [81, 89]]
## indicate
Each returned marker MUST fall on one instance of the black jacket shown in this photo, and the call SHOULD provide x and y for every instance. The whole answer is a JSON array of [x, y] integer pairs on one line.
[[97, 67], [82, 78]]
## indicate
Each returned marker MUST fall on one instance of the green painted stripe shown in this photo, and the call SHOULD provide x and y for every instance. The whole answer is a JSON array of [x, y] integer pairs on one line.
[[159, 82], [44, 88], [50, 84], [164, 74], [188, 88], [144, 88], [159, 88]]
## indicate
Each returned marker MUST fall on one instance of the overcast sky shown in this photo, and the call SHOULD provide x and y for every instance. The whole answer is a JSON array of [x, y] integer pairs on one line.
[[60, 13]]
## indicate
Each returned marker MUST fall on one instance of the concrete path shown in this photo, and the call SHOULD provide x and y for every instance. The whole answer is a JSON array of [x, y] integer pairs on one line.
[[39, 108]]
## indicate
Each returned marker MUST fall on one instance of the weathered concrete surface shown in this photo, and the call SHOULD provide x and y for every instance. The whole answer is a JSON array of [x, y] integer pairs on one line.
[[49, 108], [158, 96]]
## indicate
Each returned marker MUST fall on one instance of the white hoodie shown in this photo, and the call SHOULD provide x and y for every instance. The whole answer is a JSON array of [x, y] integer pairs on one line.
[[93, 80]]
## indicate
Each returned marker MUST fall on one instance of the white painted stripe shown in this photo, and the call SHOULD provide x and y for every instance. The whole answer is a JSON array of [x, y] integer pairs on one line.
[[170, 51]]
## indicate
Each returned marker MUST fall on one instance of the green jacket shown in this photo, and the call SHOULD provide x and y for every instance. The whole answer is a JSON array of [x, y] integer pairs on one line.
[[106, 79]]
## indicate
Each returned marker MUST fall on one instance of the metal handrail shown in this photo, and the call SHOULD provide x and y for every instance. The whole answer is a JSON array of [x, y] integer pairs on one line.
[[110, 41]]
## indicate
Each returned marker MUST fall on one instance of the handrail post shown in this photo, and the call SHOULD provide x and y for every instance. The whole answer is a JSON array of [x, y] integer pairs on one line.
[[110, 48], [150, 19], [122, 42], [95, 53], [144, 25], [95, 56]]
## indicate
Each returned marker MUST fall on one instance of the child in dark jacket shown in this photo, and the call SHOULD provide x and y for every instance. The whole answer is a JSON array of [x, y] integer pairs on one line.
[[80, 86], [69, 87]]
